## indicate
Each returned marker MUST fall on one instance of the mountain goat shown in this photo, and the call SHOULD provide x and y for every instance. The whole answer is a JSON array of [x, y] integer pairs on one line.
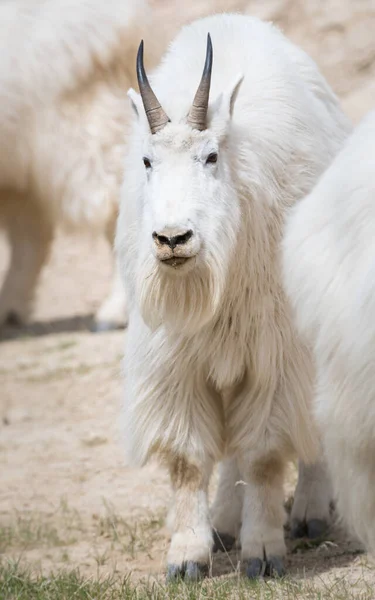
[[332, 289], [212, 361]]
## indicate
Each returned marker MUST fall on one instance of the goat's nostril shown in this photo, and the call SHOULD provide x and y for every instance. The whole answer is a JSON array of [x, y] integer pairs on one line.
[[182, 238], [163, 239], [173, 241]]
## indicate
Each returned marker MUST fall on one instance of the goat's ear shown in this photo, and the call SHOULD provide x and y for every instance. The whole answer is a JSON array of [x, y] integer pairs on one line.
[[222, 109], [138, 108], [233, 93], [135, 101]]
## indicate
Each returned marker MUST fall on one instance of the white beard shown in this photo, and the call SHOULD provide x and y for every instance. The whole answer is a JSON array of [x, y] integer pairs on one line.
[[182, 302]]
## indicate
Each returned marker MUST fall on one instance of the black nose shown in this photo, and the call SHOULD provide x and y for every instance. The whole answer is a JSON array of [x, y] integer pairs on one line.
[[174, 240]]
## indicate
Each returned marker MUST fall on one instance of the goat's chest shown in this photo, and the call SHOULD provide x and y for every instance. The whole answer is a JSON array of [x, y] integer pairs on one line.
[[242, 339], [230, 348]]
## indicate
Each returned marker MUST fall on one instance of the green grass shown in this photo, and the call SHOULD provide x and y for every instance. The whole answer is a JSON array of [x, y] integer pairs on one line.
[[29, 530], [60, 373], [18, 583], [131, 538], [64, 345], [67, 372]]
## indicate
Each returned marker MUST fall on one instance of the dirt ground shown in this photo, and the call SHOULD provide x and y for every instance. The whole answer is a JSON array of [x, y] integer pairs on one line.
[[67, 498]]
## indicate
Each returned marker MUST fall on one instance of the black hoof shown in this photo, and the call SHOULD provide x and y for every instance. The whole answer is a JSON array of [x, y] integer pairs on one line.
[[254, 568], [195, 571], [316, 528], [298, 529], [272, 567], [313, 529], [175, 572], [275, 567], [189, 571], [223, 541], [103, 326]]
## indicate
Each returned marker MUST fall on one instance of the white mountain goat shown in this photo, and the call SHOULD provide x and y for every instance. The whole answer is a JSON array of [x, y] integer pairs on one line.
[[331, 284], [65, 66], [213, 364]]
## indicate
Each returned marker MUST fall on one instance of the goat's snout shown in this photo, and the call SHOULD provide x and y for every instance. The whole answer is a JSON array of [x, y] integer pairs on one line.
[[172, 239], [174, 246]]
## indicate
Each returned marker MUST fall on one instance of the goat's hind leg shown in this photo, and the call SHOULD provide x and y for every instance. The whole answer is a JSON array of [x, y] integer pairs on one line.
[[227, 506], [112, 314], [310, 516], [263, 516], [30, 233]]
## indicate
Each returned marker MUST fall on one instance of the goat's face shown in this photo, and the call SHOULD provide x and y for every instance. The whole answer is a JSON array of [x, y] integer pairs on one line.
[[187, 199], [190, 217]]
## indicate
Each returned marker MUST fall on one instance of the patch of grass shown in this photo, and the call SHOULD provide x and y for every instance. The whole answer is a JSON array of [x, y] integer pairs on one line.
[[305, 544], [19, 366], [65, 556], [131, 538], [101, 558], [66, 344], [65, 372], [30, 530], [19, 583], [62, 345], [59, 373]]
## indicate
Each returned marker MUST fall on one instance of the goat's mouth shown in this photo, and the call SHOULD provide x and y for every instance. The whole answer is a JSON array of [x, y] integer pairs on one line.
[[176, 262]]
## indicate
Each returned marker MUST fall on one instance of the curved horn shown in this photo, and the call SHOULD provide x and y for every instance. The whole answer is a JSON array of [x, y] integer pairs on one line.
[[156, 116], [198, 112]]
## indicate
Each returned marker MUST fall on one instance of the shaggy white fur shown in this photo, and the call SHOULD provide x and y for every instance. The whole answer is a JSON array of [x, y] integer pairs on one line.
[[213, 363], [332, 288]]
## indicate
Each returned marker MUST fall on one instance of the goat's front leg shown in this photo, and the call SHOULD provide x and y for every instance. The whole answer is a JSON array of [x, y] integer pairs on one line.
[[263, 516], [191, 545]]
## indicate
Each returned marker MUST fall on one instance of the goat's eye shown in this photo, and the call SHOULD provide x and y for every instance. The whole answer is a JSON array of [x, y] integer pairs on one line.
[[147, 162], [211, 158]]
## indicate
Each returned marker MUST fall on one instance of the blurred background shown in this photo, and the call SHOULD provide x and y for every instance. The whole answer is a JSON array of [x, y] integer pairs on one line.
[[66, 496]]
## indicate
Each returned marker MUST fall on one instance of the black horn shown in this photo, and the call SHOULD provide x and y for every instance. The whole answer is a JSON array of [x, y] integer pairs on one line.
[[197, 117], [156, 116]]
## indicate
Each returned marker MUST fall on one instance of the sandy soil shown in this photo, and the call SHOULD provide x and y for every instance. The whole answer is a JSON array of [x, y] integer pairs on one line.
[[67, 498]]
